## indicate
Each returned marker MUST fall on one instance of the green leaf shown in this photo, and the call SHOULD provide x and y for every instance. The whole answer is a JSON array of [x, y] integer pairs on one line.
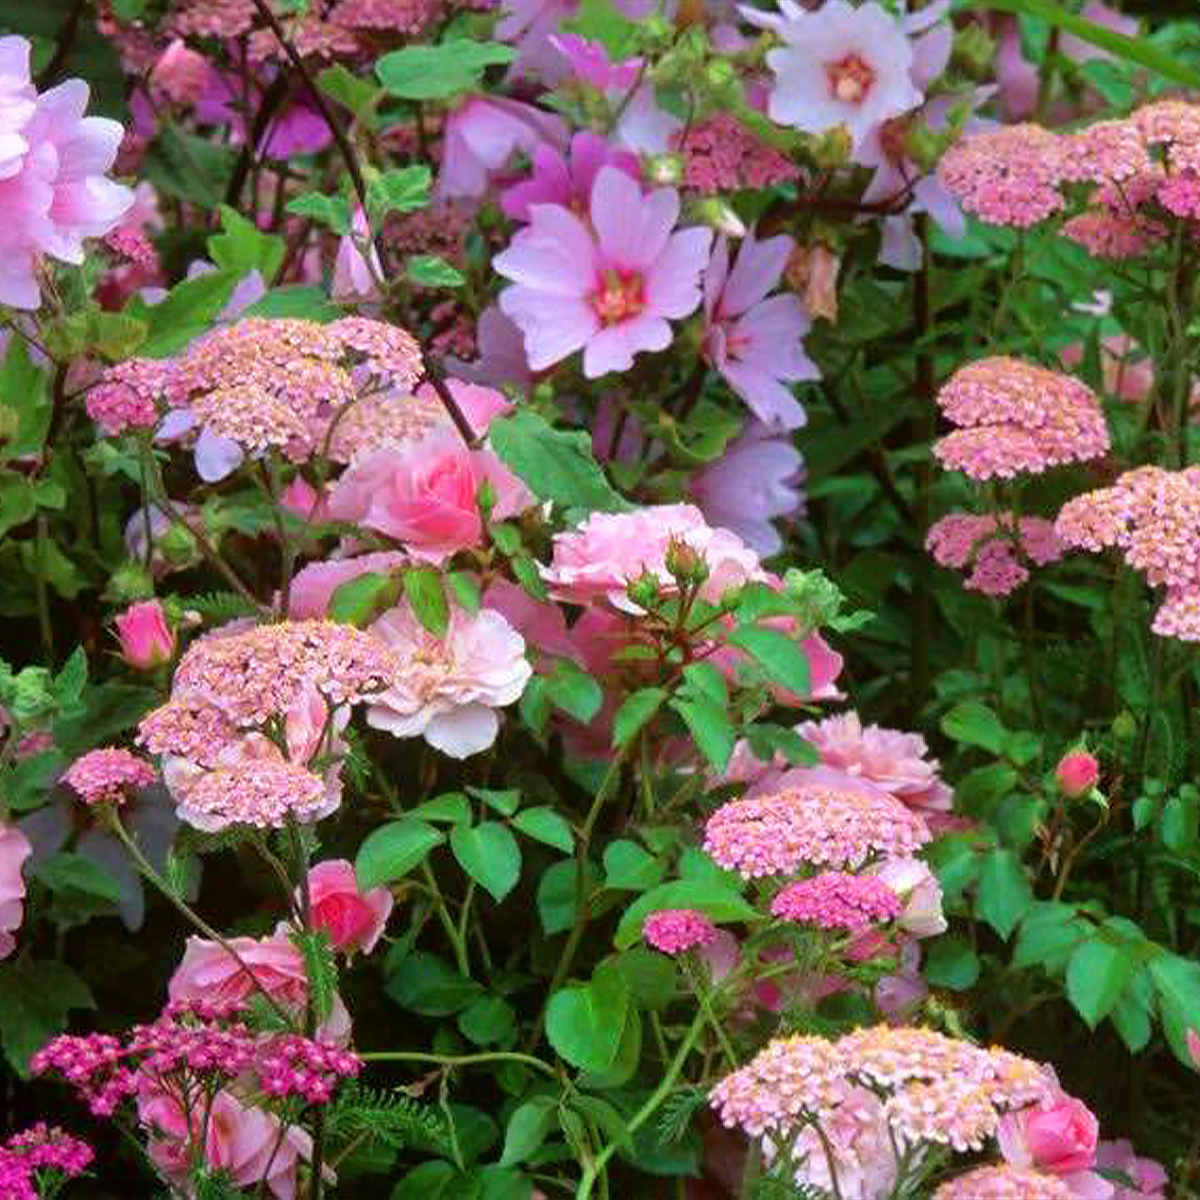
[[450, 807], [489, 854], [438, 72], [35, 999], [428, 985], [66, 871], [350, 92], [634, 712], [574, 691], [360, 600], [951, 963], [487, 1021], [1131, 1013], [781, 657], [556, 464], [716, 898], [243, 247], [17, 501], [1004, 894], [652, 977], [584, 1022], [527, 1129], [545, 825], [320, 968], [405, 189], [305, 301], [24, 391], [974, 724], [1177, 984], [500, 1183], [505, 801], [703, 679], [557, 896], [601, 21], [768, 740], [392, 850], [430, 1181], [187, 311], [428, 270], [1049, 935], [425, 595], [629, 868], [331, 211], [188, 166], [1096, 977], [710, 727]]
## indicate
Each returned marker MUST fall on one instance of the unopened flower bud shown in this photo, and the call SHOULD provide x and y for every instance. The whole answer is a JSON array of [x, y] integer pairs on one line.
[[644, 590], [128, 582], [1124, 726], [685, 564], [975, 51], [147, 641], [812, 271], [177, 545], [719, 215], [665, 168], [832, 150], [1077, 773]]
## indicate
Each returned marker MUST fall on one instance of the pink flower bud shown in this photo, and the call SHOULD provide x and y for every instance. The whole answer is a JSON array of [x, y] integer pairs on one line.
[[147, 641], [1077, 774], [1193, 1046], [352, 919]]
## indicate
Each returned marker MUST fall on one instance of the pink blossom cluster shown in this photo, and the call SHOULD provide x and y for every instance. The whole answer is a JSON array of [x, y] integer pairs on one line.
[[811, 825], [1016, 418], [41, 1148], [1152, 516], [835, 900], [721, 155], [14, 850], [990, 545], [1004, 1182], [106, 776], [676, 930]]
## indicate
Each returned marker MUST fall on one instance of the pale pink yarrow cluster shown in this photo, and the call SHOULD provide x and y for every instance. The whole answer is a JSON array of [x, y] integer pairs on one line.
[[891, 759], [675, 930], [1005, 176], [1017, 418], [835, 900], [1152, 516], [720, 155], [263, 792], [128, 394], [811, 825], [989, 545], [1004, 1182], [106, 776], [40, 1148], [949, 1111]]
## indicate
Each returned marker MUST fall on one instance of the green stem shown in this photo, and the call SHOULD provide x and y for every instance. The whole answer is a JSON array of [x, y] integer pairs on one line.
[[460, 1060], [447, 921], [43, 595]]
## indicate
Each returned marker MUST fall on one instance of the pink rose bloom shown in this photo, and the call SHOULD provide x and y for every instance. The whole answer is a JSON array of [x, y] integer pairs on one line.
[[53, 192], [1077, 773], [566, 180], [1058, 1135], [609, 287], [919, 892], [181, 73], [453, 684], [1149, 1179], [755, 481], [425, 494], [353, 920], [482, 136], [480, 404], [542, 625], [845, 65], [313, 586], [209, 972], [894, 761], [596, 560], [755, 342], [147, 641], [14, 850]]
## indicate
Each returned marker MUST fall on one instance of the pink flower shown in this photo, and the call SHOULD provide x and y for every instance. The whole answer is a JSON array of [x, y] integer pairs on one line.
[[844, 65], [353, 919], [14, 850], [1127, 371], [105, 776], [209, 972], [566, 180], [675, 930], [483, 135], [182, 73], [425, 494], [53, 192], [608, 288], [478, 403], [147, 641], [1149, 1179], [1077, 773], [314, 585], [355, 275], [919, 892], [450, 687], [1193, 1046], [501, 360], [1058, 1135], [754, 342]]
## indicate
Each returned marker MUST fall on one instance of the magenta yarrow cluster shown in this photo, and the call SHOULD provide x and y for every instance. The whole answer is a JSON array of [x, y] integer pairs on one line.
[[41, 1148], [676, 930], [1017, 418], [812, 825], [1152, 516], [835, 900], [995, 547], [108, 775]]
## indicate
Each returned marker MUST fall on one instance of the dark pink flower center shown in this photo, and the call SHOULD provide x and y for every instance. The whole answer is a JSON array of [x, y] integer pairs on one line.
[[850, 79], [618, 296]]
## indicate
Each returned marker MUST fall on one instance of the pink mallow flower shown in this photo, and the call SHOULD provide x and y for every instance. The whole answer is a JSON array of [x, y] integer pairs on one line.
[[353, 919], [425, 494], [1147, 1177], [147, 641], [566, 179], [451, 686], [53, 192], [1057, 1135], [845, 65], [674, 930], [14, 850], [1077, 773], [755, 342], [608, 287]]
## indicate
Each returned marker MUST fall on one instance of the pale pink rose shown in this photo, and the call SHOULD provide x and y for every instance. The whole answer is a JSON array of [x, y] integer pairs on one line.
[[1149, 1179], [14, 850], [425, 494], [353, 920], [1077, 773], [598, 559], [147, 641], [313, 586], [209, 972], [919, 892], [182, 73], [53, 190], [1058, 1135], [453, 684], [541, 624], [895, 761]]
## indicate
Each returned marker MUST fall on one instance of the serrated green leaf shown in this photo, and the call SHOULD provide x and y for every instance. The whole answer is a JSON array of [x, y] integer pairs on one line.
[[187, 311], [782, 658], [974, 724], [574, 691], [404, 189], [1177, 984], [331, 211], [360, 600], [1004, 894], [710, 727], [428, 270], [628, 867], [951, 963], [243, 247], [1096, 977], [426, 597], [527, 1129], [634, 712]]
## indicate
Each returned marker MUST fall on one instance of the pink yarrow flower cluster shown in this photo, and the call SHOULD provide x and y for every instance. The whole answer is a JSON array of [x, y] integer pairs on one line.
[[1016, 418], [38, 1155], [1004, 1182], [721, 155], [106, 776], [53, 189], [835, 900], [675, 930], [995, 548]]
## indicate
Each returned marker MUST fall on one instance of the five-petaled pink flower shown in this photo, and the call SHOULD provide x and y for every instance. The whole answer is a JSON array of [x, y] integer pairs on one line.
[[608, 287]]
